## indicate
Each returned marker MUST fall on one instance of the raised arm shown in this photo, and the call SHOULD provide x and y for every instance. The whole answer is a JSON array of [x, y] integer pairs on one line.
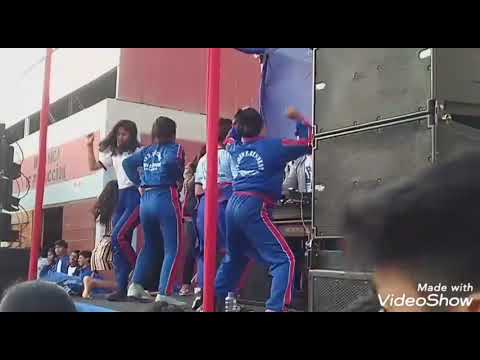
[[93, 164]]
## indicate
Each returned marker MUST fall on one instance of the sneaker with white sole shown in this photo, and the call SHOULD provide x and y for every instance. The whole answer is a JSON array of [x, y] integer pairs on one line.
[[137, 292], [198, 301], [169, 300]]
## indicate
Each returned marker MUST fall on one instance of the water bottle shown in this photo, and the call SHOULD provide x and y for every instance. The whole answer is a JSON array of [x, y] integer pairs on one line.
[[231, 303]]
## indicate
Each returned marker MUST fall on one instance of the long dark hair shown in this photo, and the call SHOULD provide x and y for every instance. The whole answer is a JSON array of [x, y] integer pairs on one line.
[[106, 204], [196, 159], [225, 125], [164, 130], [110, 141]]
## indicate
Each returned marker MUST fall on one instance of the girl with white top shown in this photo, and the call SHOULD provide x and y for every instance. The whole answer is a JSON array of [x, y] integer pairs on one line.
[[118, 145]]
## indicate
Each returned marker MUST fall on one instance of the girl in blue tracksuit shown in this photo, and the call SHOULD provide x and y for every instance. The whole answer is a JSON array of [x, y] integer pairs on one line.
[[163, 163], [258, 185], [118, 145], [226, 173]]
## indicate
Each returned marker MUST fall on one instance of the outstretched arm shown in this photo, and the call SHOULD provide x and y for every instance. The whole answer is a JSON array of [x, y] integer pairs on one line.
[[293, 149]]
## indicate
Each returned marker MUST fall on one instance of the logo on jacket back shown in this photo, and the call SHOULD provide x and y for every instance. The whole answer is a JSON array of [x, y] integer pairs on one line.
[[153, 161], [249, 163]]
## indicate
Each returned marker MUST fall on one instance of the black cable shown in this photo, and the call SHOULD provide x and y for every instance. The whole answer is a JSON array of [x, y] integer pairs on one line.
[[18, 187], [28, 185]]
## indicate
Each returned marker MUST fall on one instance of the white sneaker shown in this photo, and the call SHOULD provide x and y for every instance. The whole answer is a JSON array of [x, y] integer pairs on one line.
[[137, 292], [169, 300]]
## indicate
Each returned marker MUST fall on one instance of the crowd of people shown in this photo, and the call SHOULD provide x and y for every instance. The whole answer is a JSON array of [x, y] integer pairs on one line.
[[154, 188]]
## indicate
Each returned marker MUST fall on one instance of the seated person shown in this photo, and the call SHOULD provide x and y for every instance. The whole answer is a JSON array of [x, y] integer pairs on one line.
[[74, 284], [73, 268], [63, 260], [51, 262], [84, 263], [102, 277]]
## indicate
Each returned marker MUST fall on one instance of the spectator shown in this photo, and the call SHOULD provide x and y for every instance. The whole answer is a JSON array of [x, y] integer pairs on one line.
[[421, 235], [36, 296], [73, 268], [51, 262], [63, 260], [84, 264], [74, 285]]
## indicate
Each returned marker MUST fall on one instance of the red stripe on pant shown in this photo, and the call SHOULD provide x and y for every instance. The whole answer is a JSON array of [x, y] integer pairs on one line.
[[177, 263], [124, 243], [283, 243]]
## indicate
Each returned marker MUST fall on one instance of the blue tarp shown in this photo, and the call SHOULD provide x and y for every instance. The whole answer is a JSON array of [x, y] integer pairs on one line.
[[286, 81], [82, 307]]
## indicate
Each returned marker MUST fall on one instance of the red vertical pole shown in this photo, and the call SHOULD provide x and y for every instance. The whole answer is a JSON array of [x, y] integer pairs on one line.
[[42, 158], [211, 211]]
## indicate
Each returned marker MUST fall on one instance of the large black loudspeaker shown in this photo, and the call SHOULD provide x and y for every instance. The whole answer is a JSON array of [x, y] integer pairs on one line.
[[384, 114], [13, 267], [352, 162], [358, 86]]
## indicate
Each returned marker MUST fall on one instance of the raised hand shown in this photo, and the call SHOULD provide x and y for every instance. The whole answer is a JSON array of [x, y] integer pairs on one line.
[[294, 114], [89, 139]]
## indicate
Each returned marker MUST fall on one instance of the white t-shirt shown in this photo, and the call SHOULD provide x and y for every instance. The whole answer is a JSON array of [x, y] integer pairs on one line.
[[227, 170], [108, 160], [71, 270], [59, 266]]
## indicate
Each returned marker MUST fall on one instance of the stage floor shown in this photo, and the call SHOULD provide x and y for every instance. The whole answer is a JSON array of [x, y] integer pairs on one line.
[[132, 306]]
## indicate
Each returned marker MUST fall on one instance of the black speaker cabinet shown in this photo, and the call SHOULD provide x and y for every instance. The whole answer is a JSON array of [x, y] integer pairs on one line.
[[334, 291], [13, 266], [362, 160], [358, 86]]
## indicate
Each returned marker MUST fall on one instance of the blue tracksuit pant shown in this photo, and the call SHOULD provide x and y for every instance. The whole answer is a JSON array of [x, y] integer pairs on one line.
[[162, 227], [251, 234], [125, 220]]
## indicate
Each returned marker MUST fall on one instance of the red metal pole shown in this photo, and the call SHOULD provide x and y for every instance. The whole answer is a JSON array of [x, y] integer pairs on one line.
[[211, 218], [42, 158]]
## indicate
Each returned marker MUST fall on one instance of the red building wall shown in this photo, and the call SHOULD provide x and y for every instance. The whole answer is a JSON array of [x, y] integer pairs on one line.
[[176, 78], [78, 225]]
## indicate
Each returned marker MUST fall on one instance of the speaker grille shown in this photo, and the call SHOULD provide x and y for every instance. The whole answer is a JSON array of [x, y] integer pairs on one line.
[[332, 291]]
